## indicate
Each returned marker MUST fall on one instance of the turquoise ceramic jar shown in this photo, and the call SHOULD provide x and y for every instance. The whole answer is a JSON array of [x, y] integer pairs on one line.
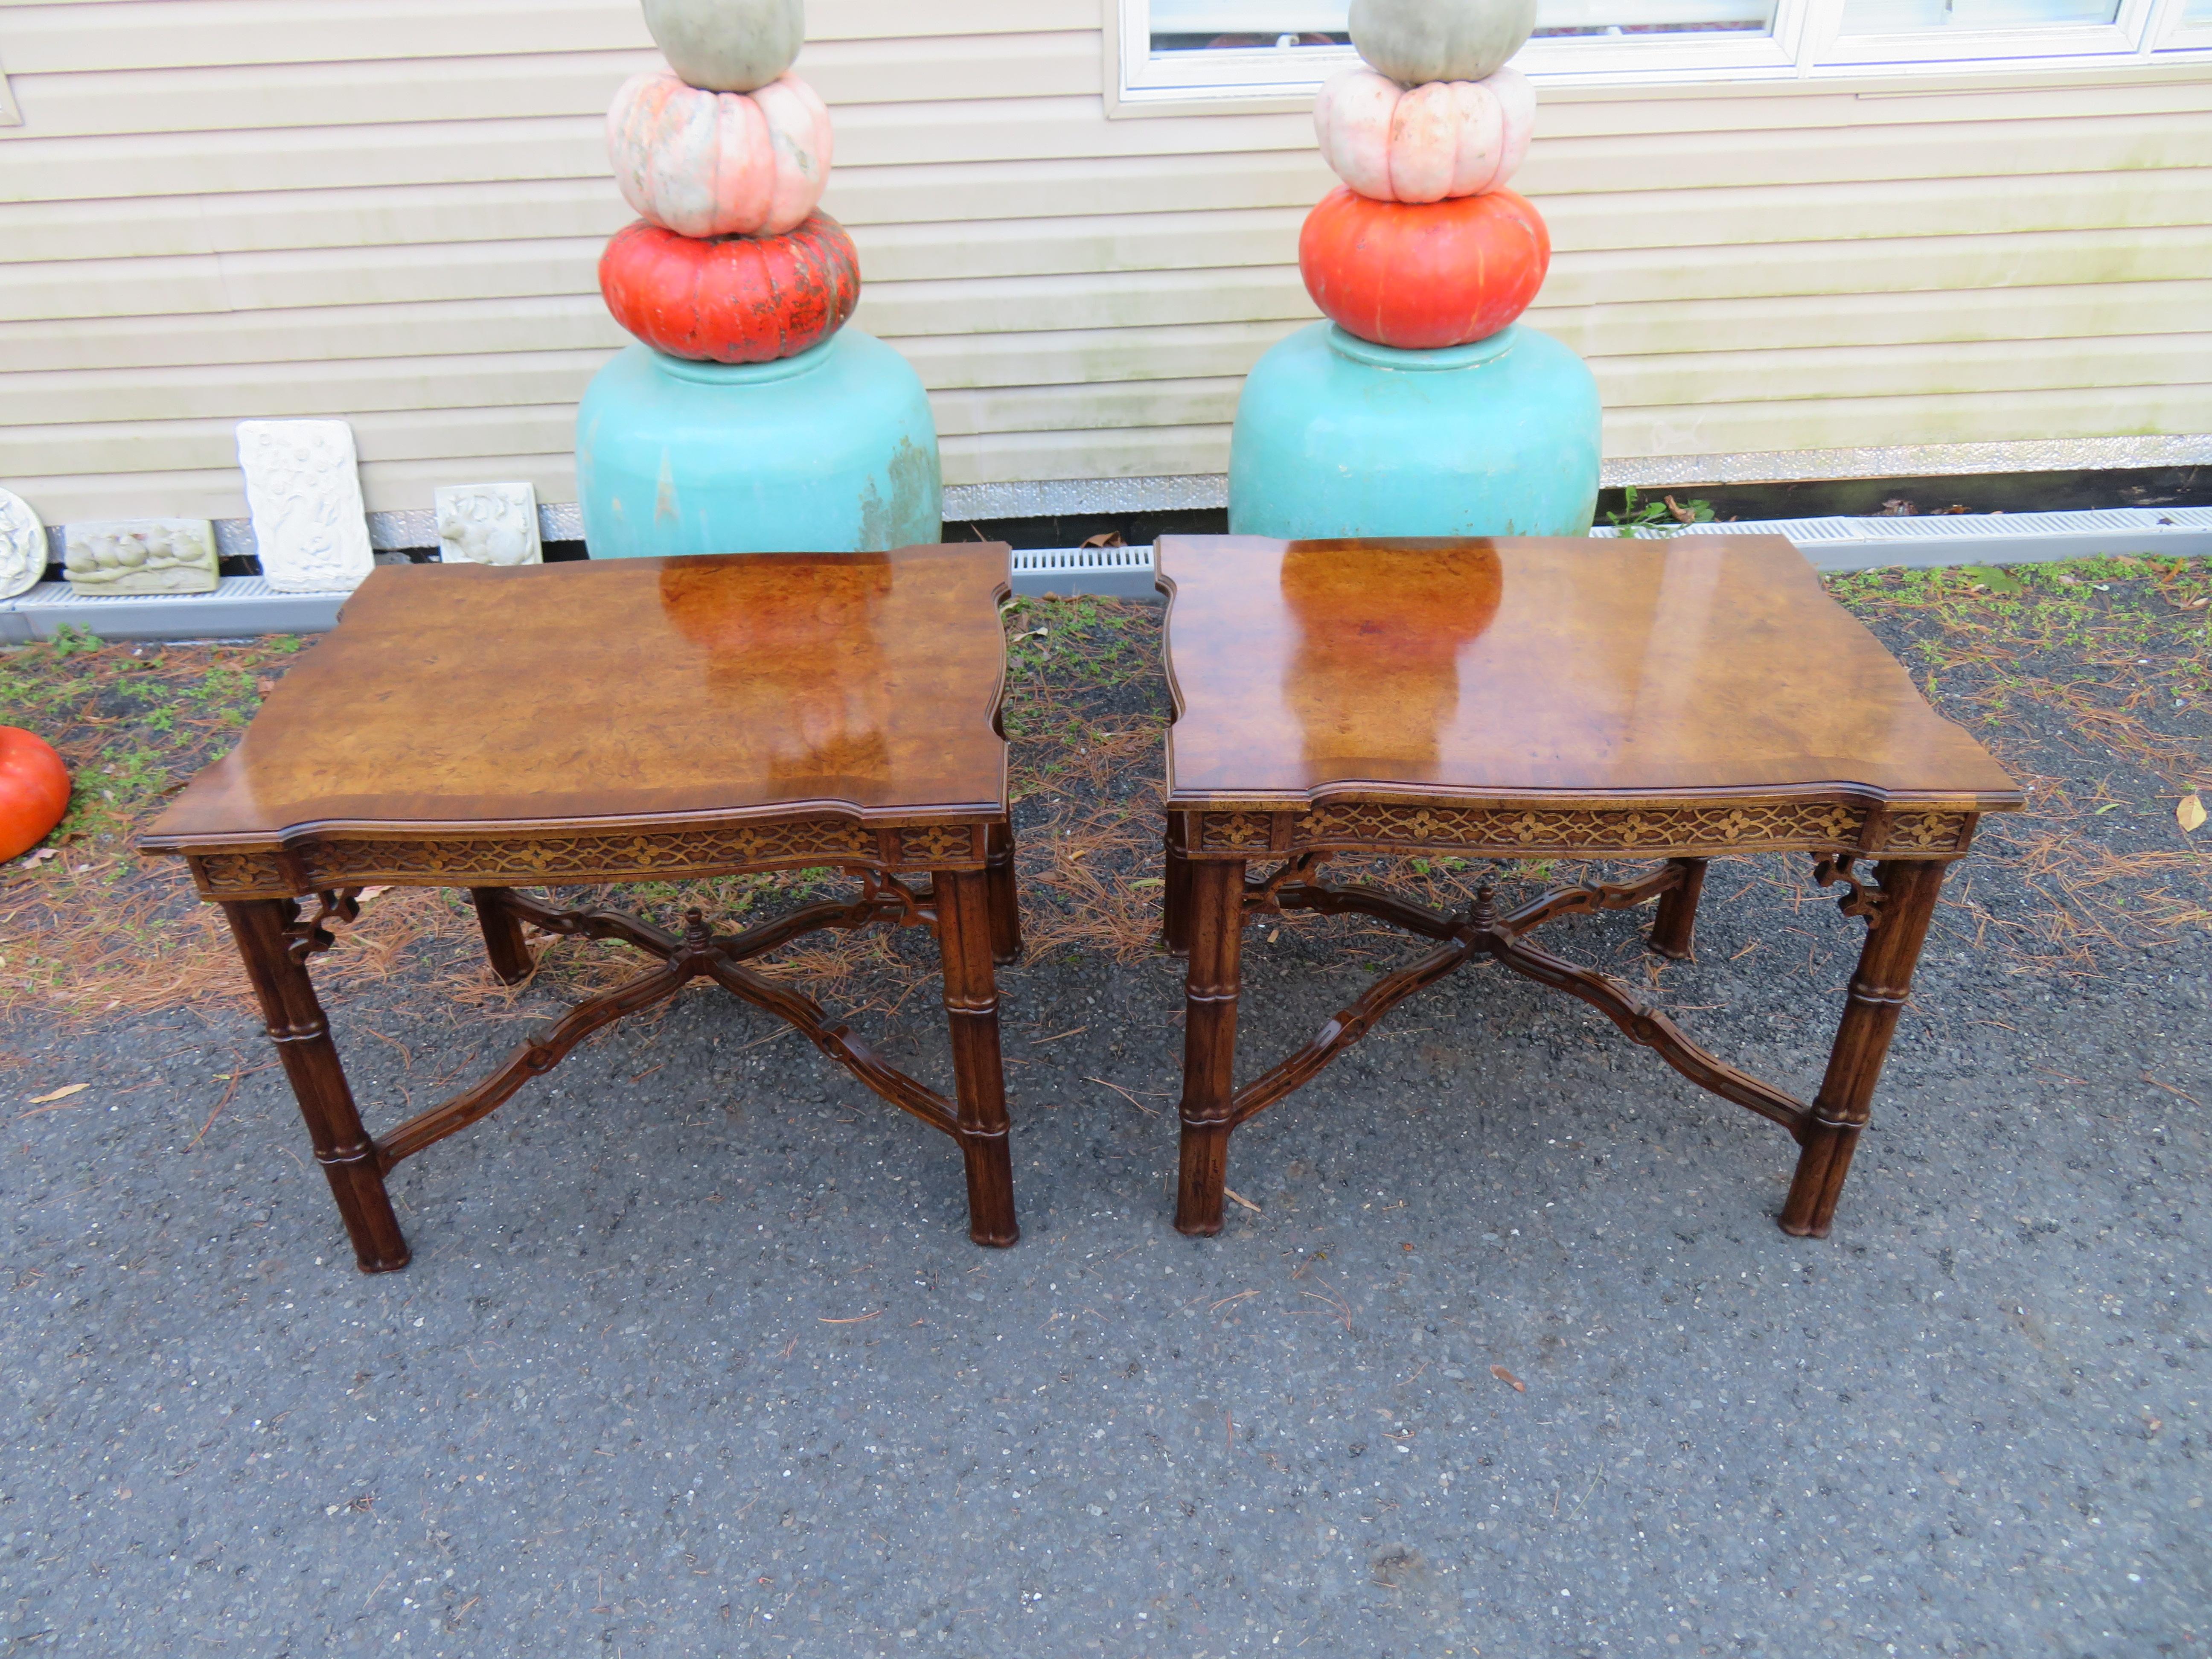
[[1337, 436], [832, 451]]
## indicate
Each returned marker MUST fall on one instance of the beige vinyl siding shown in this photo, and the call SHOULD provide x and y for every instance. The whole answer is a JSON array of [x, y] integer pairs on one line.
[[391, 210]]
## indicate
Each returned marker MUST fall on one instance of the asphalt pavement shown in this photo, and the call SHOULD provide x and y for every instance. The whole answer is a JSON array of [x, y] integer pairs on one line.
[[1500, 1353]]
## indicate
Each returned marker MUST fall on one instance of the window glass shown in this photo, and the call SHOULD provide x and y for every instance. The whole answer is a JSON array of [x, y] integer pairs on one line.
[[1199, 25], [1245, 25], [1557, 18], [1914, 16]]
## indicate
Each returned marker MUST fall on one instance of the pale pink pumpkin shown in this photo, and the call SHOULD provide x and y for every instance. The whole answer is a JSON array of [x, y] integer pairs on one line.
[[1425, 143], [720, 163]]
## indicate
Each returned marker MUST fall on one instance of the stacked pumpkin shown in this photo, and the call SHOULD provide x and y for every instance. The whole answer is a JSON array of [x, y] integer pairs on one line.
[[1423, 246], [725, 155]]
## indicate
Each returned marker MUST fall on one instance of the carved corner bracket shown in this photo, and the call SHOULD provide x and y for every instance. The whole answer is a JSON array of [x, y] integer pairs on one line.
[[1863, 897], [889, 899], [1265, 895], [313, 933]]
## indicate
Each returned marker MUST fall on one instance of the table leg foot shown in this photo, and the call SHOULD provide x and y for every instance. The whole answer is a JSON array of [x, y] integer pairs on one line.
[[1672, 928], [1810, 1209], [510, 957], [379, 1246], [964, 934], [302, 1036], [1215, 920], [990, 1192], [1203, 1175]]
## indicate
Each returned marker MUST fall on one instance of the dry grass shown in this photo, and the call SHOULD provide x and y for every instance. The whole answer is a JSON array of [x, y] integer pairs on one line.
[[1087, 719], [2092, 681], [85, 928], [2074, 678]]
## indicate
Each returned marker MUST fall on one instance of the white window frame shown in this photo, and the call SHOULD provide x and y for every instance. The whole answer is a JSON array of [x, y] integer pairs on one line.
[[1832, 50], [1806, 44], [2177, 33]]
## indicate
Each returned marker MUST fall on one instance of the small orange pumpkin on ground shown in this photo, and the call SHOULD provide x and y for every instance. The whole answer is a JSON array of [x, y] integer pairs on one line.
[[732, 299], [35, 791], [1422, 276]]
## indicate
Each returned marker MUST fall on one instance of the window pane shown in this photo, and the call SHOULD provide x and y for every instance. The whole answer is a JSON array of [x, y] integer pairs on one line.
[[1202, 25], [1911, 16], [1623, 17], [1198, 25]]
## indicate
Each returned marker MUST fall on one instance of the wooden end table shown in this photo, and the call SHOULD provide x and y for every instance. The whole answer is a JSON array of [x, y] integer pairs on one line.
[[467, 726], [1685, 699]]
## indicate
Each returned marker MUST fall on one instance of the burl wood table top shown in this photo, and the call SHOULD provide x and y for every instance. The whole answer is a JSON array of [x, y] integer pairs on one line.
[[631, 692], [1516, 669]]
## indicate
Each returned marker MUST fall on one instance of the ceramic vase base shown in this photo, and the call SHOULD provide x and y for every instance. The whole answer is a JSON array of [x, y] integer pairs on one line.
[[1338, 436], [831, 451]]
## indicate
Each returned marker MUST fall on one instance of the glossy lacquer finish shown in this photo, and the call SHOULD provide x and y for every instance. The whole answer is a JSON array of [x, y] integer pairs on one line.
[[629, 689], [1502, 667], [1539, 699], [496, 729]]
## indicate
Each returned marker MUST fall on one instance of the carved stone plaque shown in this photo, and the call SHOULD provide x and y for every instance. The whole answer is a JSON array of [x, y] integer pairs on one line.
[[141, 555], [304, 495], [22, 545], [489, 524]]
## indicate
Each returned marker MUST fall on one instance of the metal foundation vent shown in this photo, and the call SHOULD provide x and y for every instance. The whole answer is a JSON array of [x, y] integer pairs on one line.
[[1954, 538], [1120, 573], [241, 607]]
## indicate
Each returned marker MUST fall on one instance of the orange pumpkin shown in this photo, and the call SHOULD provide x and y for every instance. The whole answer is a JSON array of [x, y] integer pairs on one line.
[[35, 791], [1418, 276], [732, 299]]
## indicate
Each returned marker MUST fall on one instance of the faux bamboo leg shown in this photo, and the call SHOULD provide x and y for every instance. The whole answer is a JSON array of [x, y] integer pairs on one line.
[[965, 920], [1878, 993], [502, 935], [1175, 899], [1672, 928], [1006, 902], [302, 1036], [1215, 919]]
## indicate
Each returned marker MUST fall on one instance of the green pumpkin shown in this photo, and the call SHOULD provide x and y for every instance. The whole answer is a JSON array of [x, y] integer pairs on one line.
[[727, 46], [1416, 41]]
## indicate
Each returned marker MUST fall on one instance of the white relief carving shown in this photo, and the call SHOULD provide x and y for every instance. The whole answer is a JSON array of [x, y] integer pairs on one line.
[[489, 524], [141, 555], [22, 545], [304, 495]]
